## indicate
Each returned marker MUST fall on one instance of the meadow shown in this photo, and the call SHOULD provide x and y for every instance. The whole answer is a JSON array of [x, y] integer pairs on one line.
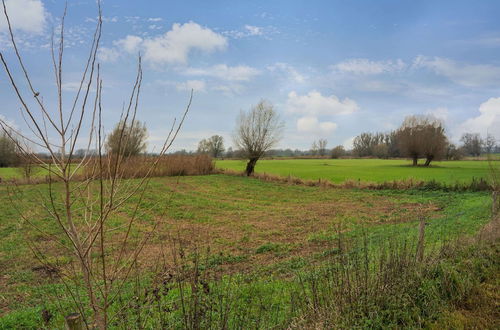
[[264, 241], [367, 170]]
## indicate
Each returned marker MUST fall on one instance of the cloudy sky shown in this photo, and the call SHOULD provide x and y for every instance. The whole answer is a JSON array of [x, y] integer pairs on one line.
[[333, 69]]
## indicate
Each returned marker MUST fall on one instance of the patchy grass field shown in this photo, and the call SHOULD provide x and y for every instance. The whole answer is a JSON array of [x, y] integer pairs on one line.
[[367, 170], [250, 226]]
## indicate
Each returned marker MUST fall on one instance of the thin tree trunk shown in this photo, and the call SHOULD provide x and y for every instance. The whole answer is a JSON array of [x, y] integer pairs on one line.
[[415, 161], [251, 166]]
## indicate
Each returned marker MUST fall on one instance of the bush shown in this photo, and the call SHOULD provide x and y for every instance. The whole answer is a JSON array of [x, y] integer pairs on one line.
[[338, 152]]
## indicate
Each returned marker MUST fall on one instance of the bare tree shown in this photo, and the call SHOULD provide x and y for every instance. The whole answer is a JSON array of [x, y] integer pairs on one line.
[[472, 143], [127, 139], [214, 146], [314, 148], [81, 206], [257, 131], [490, 143], [362, 144], [454, 153], [322, 146], [422, 136], [380, 150]]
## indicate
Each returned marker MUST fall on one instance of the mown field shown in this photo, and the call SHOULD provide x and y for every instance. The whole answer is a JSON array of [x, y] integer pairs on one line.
[[261, 234], [367, 170]]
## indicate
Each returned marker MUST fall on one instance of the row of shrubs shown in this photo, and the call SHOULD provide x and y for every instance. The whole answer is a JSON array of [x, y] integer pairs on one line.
[[476, 184], [127, 168]]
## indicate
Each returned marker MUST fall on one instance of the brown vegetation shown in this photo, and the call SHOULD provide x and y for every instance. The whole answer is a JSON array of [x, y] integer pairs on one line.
[[166, 165], [475, 185]]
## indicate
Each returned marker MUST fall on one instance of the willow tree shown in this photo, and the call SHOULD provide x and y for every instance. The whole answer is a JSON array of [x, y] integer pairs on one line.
[[422, 136], [257, 131]]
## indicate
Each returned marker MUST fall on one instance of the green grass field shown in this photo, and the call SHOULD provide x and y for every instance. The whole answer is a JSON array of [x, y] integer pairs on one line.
[[14, 172], [367, 170], [264, 230]]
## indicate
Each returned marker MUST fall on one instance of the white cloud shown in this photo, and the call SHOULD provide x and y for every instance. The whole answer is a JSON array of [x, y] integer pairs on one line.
[[70, 86], [488, 120], [155, 19], [311, 124], [440, 113], [229, 89], [470, 75], [254, 30], [196, 85], [289, 70], [175, 45], [224, 72], [105, 54], [314, 104], [251, 31], [364, 66], [25, 15], [130, 43], [113, 19]]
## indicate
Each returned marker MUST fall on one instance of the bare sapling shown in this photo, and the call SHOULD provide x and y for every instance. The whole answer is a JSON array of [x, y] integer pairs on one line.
[[85, 227]]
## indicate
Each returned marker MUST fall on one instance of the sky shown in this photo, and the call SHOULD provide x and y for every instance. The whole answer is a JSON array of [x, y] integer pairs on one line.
[[332, 69]]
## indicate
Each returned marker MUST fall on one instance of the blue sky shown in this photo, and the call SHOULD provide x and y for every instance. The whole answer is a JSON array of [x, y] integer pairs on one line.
[[333, 69]]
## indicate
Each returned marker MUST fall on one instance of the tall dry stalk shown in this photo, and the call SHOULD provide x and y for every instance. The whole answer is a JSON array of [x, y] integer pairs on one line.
[[101, 254]]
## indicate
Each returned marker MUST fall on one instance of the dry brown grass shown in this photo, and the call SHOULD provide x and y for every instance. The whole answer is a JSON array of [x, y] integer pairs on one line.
[[168, 165], [474, 185], [134, 167]]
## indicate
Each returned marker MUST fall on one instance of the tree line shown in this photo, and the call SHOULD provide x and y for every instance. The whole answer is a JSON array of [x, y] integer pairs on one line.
[[418, 137], [421, 137]]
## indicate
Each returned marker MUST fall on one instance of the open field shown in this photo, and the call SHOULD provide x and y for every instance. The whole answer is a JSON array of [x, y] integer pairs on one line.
[[7, 173], [266, 229], [367, 170]]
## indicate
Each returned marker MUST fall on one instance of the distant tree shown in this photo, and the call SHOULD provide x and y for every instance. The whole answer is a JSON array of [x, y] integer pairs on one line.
[[338, 152], [213, 146], [380, 150], [203, 147], [362, 144], [80, 153], [490, 144], [230, 152], [322, 146], [314, 148], [9, 155], [391, 141], [472, 143], [454, 153], [257, 131], [127, 139], [422, 136]]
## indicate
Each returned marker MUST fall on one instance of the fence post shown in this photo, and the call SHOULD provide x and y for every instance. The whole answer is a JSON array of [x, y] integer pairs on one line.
[[74, 321], [421, 238]]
